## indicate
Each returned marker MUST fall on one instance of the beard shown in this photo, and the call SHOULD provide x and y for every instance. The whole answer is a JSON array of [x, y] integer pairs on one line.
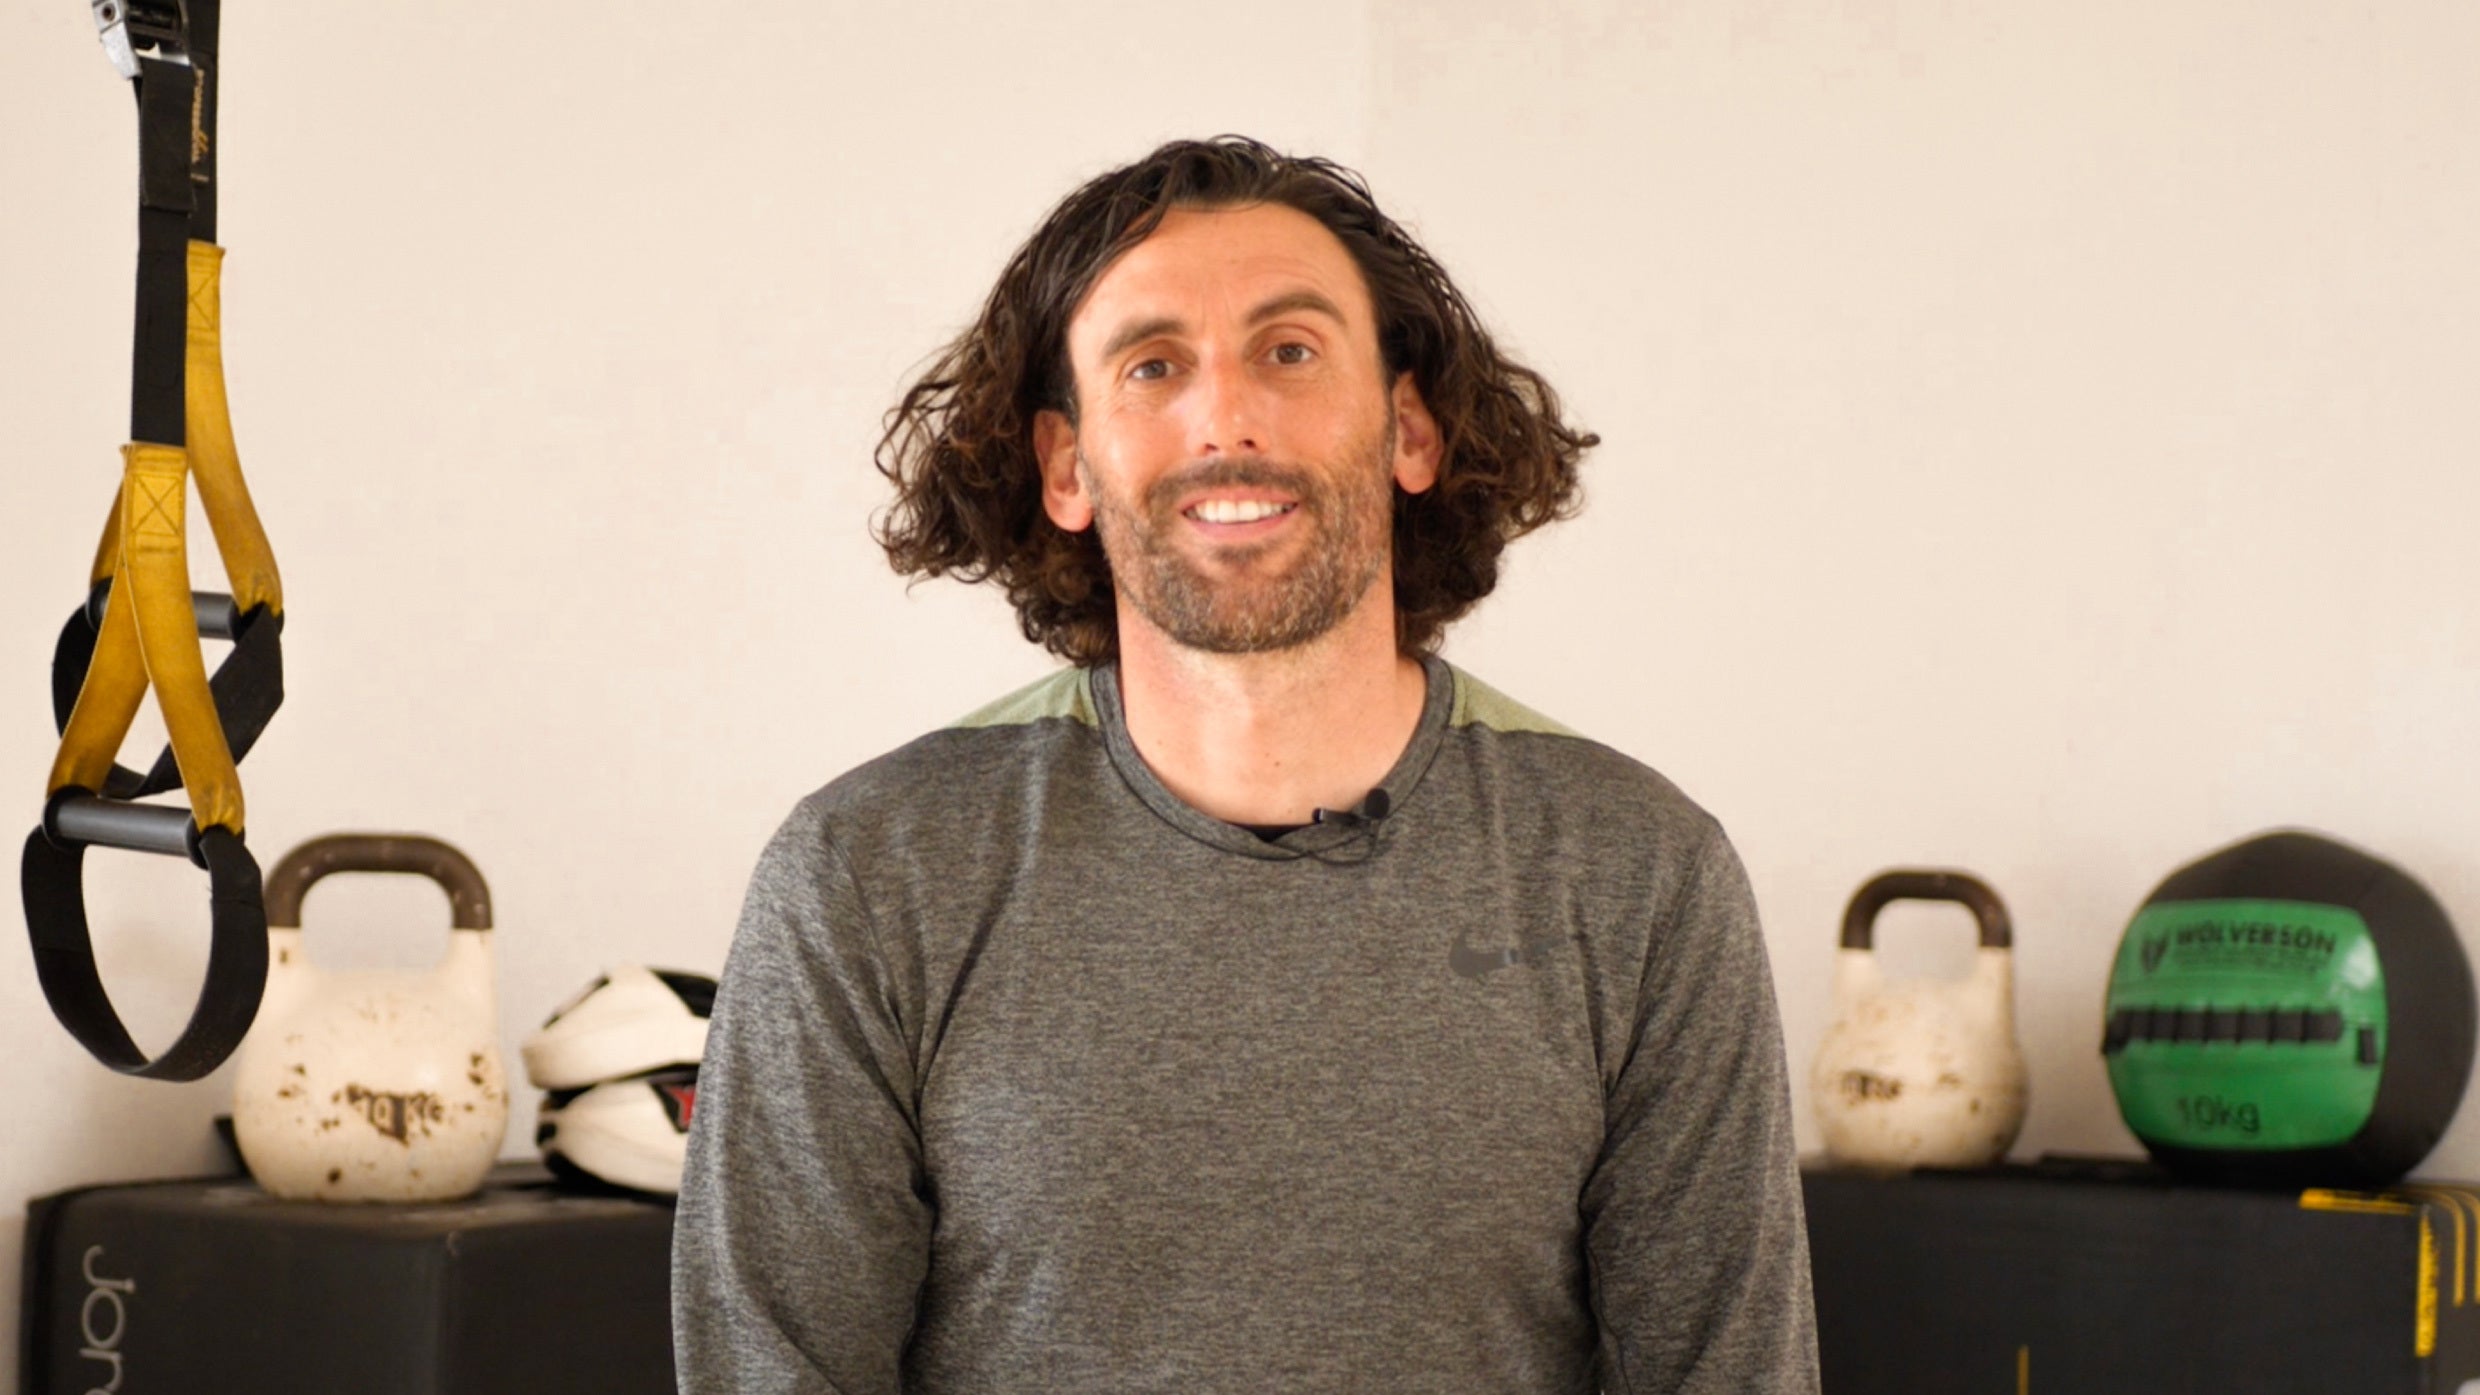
[[1242, 602]]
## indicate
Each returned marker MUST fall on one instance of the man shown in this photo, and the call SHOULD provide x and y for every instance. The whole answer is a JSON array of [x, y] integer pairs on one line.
[[1261, 1004]]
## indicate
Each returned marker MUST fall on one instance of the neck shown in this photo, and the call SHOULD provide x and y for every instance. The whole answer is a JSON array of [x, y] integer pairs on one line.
[[1268, 738]]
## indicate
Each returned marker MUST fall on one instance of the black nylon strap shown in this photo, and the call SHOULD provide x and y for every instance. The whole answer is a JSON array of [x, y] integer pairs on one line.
[[206, 55], [64, 958], [166, 92], [248, 687], [74, 653], [159, 353]]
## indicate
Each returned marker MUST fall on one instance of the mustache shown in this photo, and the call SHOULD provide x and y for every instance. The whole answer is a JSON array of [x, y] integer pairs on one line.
[[1231, 472]]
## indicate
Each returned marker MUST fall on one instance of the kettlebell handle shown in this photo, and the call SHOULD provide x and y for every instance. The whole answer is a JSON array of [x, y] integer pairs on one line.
[[469, 898], [1860, 920]]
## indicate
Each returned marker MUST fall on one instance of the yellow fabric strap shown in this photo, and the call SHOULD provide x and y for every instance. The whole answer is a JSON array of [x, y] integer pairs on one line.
[[249, 564], [108, 552], [150, 636], [115, 684]]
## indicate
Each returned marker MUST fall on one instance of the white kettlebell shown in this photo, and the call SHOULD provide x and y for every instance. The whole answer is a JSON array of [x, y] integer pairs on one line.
[[1921, 1073], [380, 1085]]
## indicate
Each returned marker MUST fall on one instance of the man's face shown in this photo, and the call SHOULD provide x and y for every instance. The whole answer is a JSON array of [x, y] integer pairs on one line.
[[1237, 436]]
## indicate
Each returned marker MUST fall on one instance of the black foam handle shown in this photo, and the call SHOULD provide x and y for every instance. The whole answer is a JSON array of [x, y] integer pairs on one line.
[[75, 816]]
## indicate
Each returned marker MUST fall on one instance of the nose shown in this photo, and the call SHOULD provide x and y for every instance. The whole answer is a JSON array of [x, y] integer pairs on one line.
[[1228, 415]]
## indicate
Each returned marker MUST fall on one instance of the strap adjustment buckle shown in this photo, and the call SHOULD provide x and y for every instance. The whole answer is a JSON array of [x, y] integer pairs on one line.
[[134, 29]]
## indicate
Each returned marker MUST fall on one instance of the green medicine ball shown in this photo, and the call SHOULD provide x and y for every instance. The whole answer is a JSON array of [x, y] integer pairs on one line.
[[2289, 1012]]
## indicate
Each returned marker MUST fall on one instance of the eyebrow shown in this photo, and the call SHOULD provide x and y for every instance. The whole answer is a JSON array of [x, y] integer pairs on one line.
[[1289, 303]]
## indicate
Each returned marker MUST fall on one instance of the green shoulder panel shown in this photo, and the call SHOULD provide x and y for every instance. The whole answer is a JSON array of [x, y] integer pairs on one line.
[[1479, 704], [1063, 694]]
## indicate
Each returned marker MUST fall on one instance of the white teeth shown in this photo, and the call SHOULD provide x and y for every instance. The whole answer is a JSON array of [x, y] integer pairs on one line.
[[1236, 510]]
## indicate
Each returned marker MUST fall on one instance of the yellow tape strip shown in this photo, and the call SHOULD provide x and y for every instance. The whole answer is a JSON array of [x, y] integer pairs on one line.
[[2357, 1203], [2471, 1203], [2461, 1204], [2424, 1326]]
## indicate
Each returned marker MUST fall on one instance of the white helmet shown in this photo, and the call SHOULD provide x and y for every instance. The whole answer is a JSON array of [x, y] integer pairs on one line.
[[630, 1133], [630, 1021]]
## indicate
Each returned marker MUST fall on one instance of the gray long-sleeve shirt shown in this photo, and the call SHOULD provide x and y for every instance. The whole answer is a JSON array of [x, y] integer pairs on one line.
[[1026, 1076]]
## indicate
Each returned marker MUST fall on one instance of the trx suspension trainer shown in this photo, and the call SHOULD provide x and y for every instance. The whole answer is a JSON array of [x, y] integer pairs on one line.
[[141, 624]]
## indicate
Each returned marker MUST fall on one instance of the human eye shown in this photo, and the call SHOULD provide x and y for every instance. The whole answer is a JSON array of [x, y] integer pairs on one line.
[[1292, 353], [1149, 370]]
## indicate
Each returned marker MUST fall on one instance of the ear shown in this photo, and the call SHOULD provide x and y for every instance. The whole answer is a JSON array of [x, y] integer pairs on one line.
[[1063, 488], [1417, 448]]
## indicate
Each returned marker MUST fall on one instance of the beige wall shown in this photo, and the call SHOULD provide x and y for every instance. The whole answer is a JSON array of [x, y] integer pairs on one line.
[[2037, 437], [2039, 440]]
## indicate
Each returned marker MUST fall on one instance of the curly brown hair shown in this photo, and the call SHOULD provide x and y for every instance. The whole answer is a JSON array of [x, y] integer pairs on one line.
[[959, 450]]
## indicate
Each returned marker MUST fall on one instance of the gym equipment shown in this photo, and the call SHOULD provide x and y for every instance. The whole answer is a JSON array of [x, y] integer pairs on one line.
[[628, 1133], [621, 1062], [2087, 1276], [1922, 1073], [208, 1288], [140, 624], [627, 1022], [374, 1086], [2289, 1012]]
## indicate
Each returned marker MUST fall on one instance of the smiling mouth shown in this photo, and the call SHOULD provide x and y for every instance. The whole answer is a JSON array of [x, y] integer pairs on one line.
[[1236, 510]]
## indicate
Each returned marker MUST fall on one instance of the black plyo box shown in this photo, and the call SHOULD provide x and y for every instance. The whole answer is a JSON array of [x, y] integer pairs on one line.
[[209, 1287], [2087, 1278]]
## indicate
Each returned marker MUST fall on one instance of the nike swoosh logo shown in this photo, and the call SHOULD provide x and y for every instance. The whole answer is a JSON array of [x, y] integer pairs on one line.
[[1473, 963]]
